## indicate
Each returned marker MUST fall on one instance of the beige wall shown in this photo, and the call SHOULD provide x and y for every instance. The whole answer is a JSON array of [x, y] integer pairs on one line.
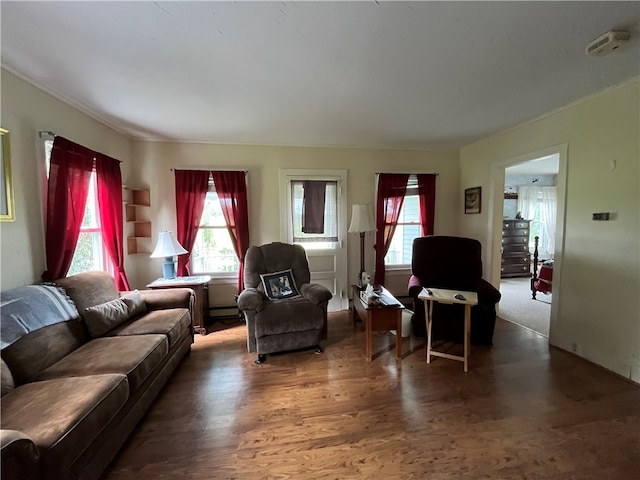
[[154, 161], [596, 307], [25, 111]]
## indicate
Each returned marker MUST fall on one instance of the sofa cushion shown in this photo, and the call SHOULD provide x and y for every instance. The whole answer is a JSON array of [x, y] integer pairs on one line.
[[172, 322], [89, 288], [102, 318], [287, 316], [63, 416], [136, 356], [106, 316], [135, 302], [38, 350]]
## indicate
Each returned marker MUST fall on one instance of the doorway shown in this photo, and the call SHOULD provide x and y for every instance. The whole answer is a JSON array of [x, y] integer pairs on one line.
[[531, 203]]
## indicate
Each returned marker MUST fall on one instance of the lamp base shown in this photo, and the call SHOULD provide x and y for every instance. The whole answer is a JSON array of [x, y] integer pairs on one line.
[[364, 279], [169, 268]]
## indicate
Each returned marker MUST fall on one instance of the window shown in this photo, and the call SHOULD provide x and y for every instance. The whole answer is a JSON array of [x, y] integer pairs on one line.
[[213, 250], [329, 237], [90, 253], [408, 227]]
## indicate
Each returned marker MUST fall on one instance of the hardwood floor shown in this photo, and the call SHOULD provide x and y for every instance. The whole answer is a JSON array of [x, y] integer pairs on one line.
[[523, 411]]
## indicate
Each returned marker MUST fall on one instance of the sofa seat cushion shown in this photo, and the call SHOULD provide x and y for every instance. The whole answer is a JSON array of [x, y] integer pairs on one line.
[[135, 356], [172, 322], [287, 316], [63, 416]]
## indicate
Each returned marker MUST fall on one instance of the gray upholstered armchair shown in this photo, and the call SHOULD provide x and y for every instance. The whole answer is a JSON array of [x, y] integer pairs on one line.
[[283, 310]]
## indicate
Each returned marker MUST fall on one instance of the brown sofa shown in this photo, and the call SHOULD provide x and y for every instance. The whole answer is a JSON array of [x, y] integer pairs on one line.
[[74, 385]]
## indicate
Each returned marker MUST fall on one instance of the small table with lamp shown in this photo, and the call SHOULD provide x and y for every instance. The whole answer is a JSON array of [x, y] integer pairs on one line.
[[169, 248]]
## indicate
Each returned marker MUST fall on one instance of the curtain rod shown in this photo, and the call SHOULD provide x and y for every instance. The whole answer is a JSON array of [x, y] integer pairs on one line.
[[209, 169], [408, 173], [49, 133]]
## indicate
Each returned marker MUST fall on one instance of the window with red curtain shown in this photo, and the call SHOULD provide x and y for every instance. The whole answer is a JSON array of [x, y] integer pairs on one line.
[[90, 185], [391, 191], [414, 219], [213, 222]]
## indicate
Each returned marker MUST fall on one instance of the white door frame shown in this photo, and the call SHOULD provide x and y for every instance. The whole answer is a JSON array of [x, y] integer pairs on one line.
[[496, 212], [340, 300]]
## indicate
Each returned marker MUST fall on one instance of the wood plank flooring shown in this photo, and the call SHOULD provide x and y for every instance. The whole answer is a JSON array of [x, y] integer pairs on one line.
[[523, 411]]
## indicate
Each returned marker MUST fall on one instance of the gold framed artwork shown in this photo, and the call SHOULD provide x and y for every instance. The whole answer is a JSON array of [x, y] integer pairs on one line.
[[6, 187], [472, 200]]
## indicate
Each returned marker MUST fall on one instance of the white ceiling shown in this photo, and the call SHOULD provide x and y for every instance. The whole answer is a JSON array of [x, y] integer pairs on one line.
[[547, 165], [362, 74]]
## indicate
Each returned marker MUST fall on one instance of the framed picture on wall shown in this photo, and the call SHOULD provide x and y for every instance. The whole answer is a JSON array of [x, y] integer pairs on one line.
[[472, 199], [6, 188]]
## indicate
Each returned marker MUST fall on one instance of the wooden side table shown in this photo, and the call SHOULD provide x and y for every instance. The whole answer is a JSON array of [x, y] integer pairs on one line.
[[441, 295], [200, 286], [379, 317]]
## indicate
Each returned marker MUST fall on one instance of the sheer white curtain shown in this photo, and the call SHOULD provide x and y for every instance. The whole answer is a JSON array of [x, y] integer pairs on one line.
[[527, 202], [539, 205], [548, 207]]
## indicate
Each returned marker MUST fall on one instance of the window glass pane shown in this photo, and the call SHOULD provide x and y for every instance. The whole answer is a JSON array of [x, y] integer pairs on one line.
[[408, 228], [315, 240], [213, 249], [212, 215], [90, 219], [213, 252], [88, 253]]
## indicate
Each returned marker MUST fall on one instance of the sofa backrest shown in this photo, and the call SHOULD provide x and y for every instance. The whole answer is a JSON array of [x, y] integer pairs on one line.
[[89, 289], [39, 325], [275, 257]]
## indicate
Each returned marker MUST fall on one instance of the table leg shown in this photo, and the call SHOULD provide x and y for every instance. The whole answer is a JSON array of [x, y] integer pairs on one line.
[[428, 313], [399, 335], [369, 337], [467, 334]]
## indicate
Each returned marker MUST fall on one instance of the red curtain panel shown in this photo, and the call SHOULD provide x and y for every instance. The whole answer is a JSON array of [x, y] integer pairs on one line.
[[191, 192], [391, 191], [109, 180], [231, 188], [67, 190], [427, 200]]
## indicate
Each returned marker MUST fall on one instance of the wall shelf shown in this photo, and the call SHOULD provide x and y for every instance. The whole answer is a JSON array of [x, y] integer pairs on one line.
[[139, 200]]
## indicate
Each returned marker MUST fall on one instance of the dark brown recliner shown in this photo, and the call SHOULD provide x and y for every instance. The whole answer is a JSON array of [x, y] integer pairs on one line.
[[453, 263], [282, 324]]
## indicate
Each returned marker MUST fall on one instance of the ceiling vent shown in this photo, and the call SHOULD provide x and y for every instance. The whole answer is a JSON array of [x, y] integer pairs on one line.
[[607, 42]]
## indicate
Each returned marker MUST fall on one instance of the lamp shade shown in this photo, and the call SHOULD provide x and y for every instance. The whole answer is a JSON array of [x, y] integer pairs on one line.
[[167, 246], [361, 219]]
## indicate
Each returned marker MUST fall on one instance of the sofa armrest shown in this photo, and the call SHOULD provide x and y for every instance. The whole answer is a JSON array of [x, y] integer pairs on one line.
[[20, 455], [251, 299], [315, 293], [163, 298], [415, 286], [487, 293]]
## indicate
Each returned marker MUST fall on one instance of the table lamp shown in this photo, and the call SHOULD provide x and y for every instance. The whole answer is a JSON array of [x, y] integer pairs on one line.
[[361, 222], [168, 247]]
